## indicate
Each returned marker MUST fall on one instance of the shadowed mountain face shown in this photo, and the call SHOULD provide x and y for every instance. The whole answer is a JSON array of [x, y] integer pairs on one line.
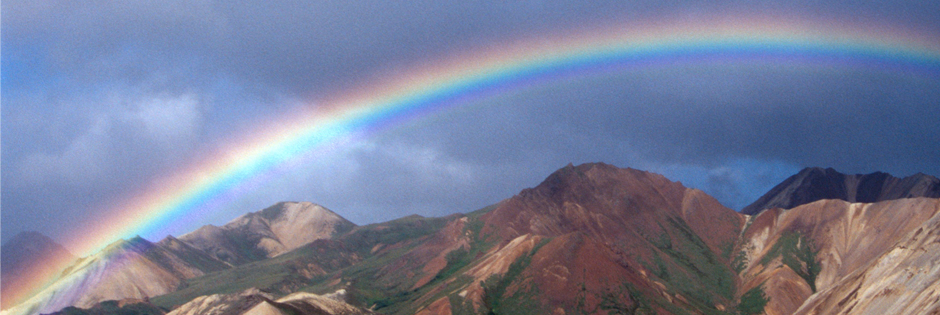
[[21, 261], [812, 184], [589, 239]]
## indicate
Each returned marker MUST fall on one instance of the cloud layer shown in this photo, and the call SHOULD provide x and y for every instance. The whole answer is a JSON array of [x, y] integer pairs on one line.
[[102, 100]]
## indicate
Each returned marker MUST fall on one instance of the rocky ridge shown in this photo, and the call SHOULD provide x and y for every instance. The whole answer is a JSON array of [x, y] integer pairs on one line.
[[590, 239], [814, 183], [270, 232]]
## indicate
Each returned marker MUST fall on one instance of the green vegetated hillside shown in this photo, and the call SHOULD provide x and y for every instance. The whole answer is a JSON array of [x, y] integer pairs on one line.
[[588, 255], [590, 239]]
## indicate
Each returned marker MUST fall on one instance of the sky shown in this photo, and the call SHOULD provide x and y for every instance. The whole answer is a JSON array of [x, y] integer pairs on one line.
[[104, 100]]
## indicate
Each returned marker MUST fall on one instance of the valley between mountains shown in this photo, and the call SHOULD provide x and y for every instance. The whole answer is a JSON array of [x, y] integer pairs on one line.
[[589, 239]]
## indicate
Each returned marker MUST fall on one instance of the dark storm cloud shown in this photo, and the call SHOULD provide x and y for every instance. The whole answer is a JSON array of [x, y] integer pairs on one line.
[[102, 98]]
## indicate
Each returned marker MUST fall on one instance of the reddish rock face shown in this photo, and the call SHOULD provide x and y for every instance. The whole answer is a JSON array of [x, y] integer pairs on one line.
[[612, 205], [609, 226]]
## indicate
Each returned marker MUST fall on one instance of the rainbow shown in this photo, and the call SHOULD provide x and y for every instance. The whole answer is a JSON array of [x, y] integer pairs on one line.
[[455, 81]]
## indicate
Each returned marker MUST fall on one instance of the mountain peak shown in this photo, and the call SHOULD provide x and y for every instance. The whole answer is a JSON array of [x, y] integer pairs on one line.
[[578, 179], [272, 231], [28, 246], [576, 197], [815, 183]]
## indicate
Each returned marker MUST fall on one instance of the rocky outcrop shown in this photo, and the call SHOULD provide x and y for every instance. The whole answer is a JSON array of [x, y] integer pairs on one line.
[[813, 184], [904, 279], [819, 247]]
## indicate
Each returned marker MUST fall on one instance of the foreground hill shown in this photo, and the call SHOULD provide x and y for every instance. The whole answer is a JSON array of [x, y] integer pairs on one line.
[[813, 184], [813, 252]]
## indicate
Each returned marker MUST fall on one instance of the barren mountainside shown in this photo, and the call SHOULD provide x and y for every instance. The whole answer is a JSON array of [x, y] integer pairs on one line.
[[812, 248], [589, 239]]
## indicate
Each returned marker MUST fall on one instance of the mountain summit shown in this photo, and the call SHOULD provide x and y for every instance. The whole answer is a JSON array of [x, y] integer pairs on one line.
[[275, 230], [814, 183]]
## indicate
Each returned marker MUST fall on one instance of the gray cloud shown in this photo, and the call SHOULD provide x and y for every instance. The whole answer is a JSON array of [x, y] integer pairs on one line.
[[102, 99]]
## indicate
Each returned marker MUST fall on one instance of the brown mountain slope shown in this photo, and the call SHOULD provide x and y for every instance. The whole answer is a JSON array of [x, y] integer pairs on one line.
[[812, 184], [812, 248], [662, 242], [903, 280], [589, 239], [613, 205], [363, 257]]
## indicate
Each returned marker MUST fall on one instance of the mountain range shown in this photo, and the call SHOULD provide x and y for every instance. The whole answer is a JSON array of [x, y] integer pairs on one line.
[[589, 239]]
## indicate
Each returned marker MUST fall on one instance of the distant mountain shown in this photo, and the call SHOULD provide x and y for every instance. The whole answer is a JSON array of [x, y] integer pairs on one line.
[[812, 184], [20, 260], [270, 232]]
